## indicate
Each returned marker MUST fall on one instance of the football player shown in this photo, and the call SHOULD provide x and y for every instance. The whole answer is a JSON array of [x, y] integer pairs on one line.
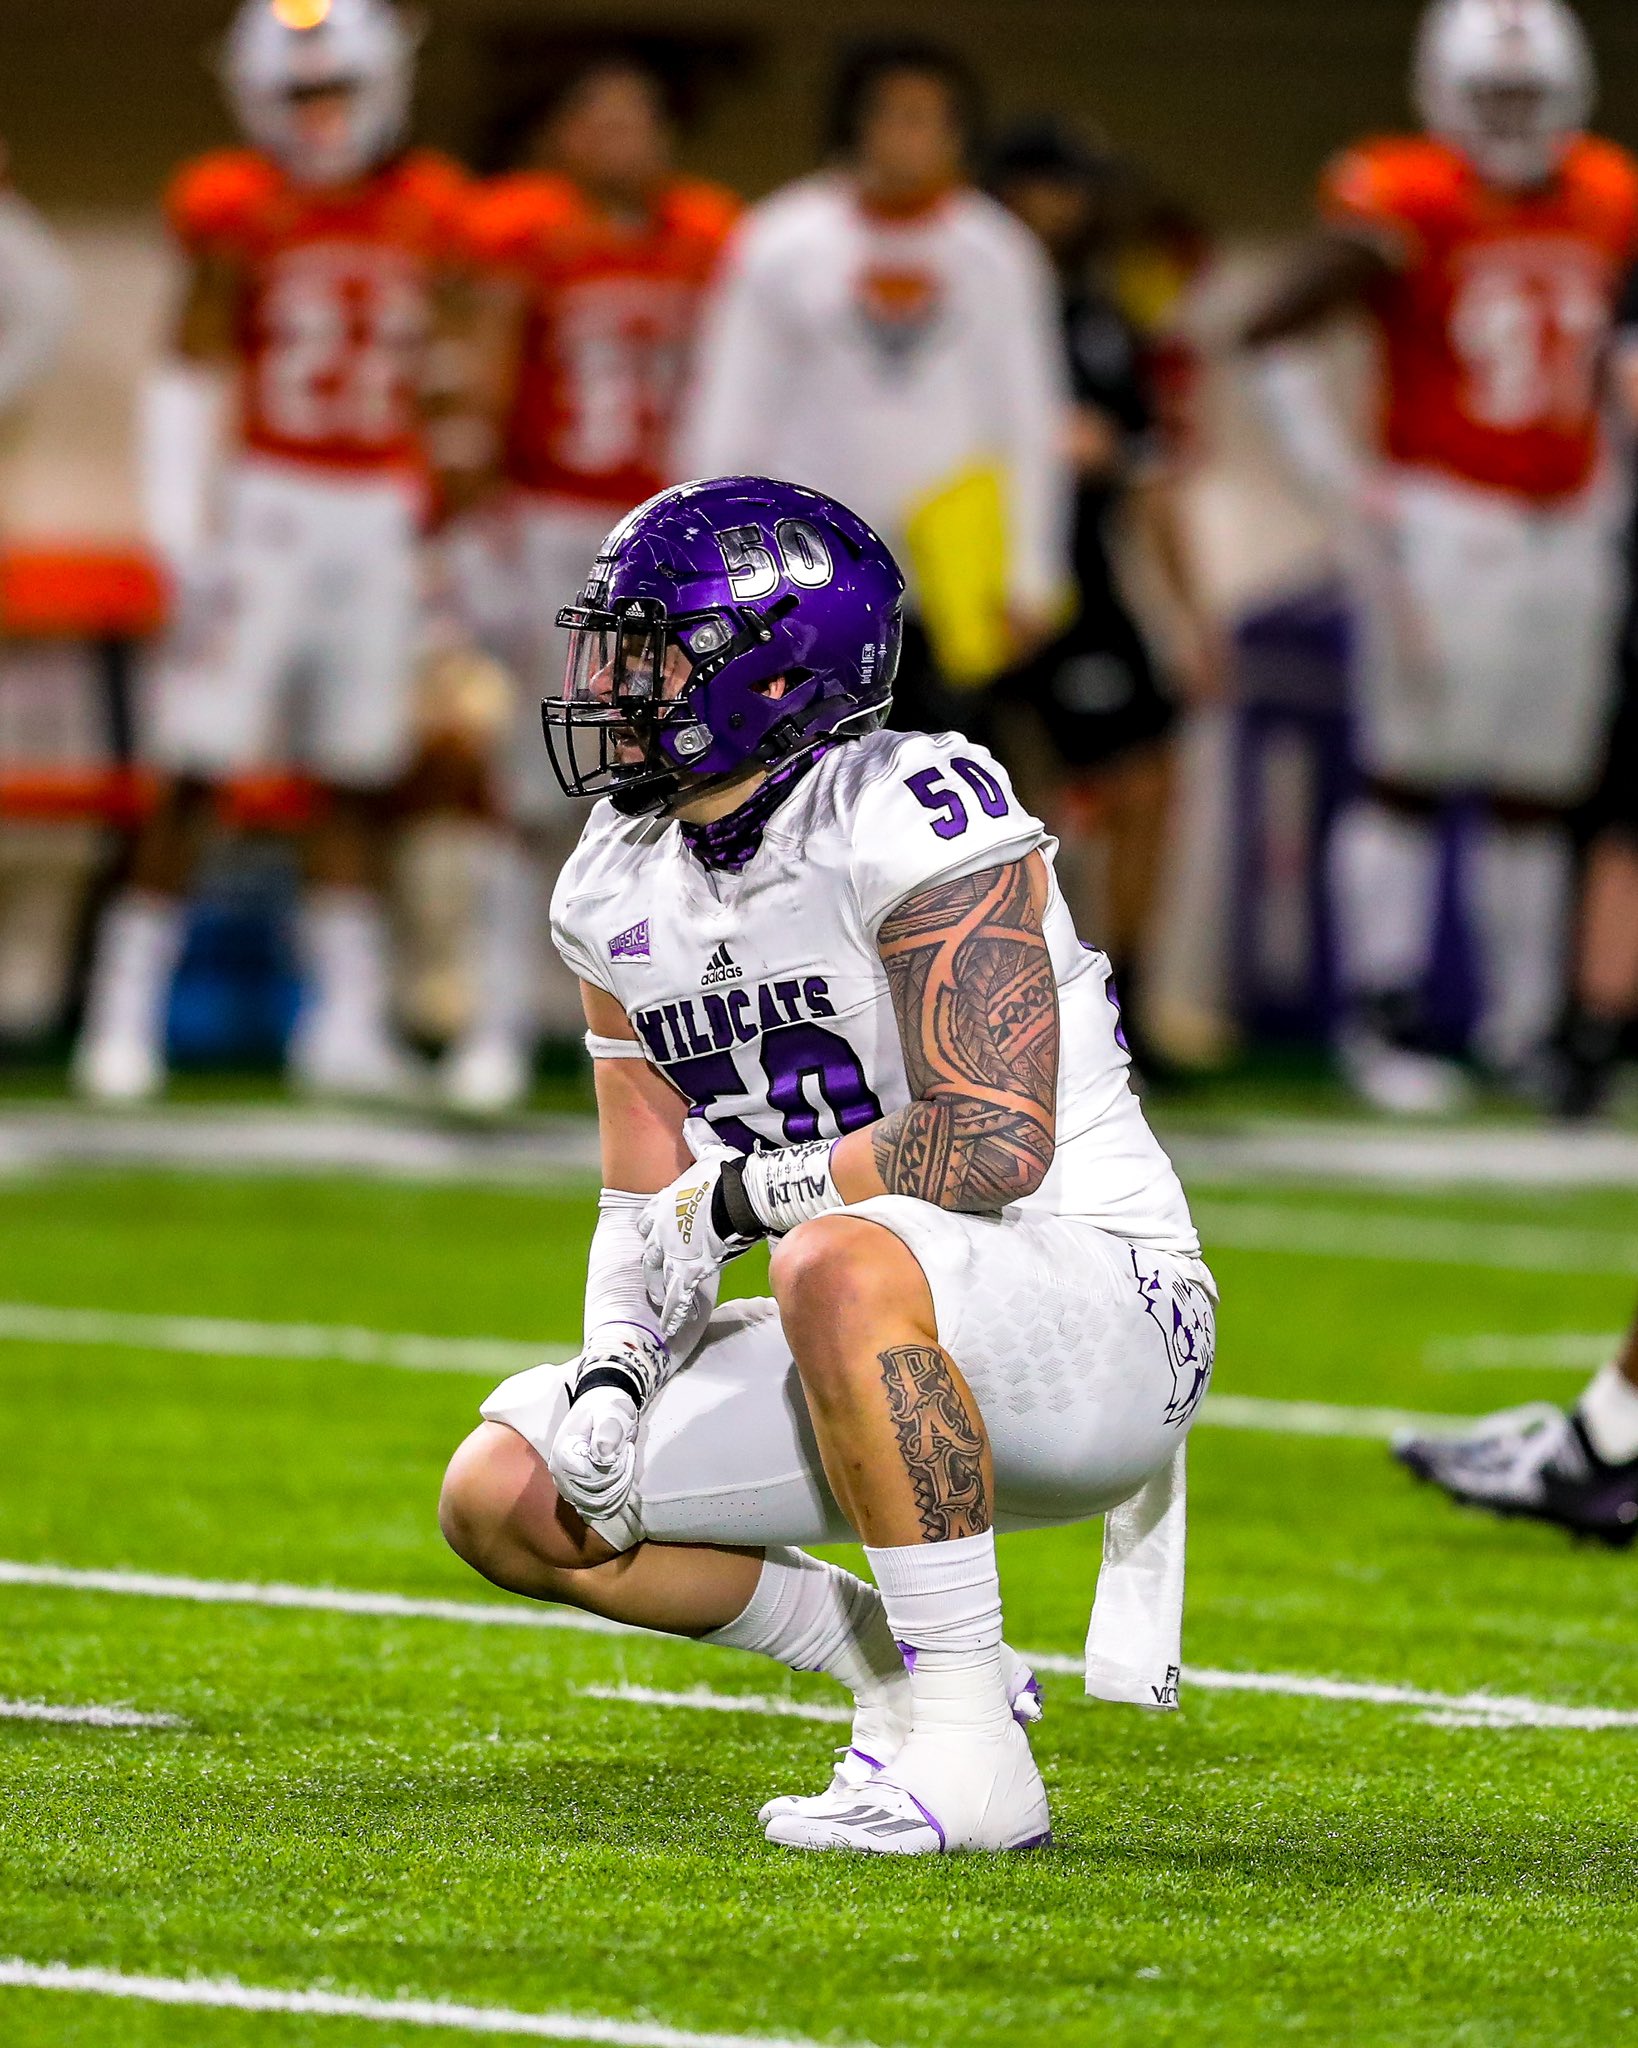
[[834, 1000], [1577, 1470], [1480, 530], [318, 257], [599, 261]]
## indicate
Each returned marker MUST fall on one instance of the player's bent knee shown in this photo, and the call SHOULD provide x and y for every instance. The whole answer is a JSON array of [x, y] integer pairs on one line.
[[499, 1510], [838, 1273]]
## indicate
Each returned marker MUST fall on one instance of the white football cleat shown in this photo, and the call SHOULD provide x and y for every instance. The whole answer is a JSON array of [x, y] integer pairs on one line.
[[117, 1070], [485, 1076], [1397, 1081], [944, 1792], [881, 1729]]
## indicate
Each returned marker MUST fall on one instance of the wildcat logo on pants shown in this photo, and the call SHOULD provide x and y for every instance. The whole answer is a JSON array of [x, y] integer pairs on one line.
[[1183, 1313]]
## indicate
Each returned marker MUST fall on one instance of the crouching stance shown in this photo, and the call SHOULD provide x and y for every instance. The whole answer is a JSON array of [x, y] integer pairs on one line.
[[836, 1000]]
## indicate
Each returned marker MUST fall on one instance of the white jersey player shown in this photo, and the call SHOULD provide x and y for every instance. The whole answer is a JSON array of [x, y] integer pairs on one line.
[[836, 999]]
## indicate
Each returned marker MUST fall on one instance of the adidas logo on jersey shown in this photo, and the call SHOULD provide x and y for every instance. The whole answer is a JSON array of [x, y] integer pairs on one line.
[[720, 968]]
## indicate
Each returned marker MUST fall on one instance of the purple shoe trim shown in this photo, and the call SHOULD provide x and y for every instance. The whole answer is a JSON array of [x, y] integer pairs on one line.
[[1034, 1842], [908, 1652], [1033, 1689], [926, 1814], [864, 1757]]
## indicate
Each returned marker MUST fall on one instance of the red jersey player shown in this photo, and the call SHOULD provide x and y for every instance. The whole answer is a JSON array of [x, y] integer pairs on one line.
[[1481, 536], [601, 258], [317, 262]]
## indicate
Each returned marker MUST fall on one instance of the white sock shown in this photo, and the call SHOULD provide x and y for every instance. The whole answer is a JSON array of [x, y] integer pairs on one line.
[[342, 940], [813, 1616], [943, 1603], [1609, 1415], [1521, 905], [1384, 871], [506, 964], [138, 945]]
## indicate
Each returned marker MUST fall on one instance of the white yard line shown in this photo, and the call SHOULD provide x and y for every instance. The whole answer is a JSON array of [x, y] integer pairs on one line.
[[85, 1717], [317, 1599], [1446, 1709], [1558, 1351], [228, 1993], [1416, 1240], [1319, 1418], [225, 1337], [701, 1696], [213, 1336]]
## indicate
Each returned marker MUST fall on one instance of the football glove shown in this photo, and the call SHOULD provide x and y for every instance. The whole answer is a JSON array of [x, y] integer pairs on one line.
[[593, 1457], [689, 1235]]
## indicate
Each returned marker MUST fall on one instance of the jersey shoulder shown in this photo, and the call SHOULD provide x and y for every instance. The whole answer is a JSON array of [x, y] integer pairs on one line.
[[510, 215], [702, 211], [914, 808], [1604, 178], [434, 181], [610, 854], [221, 199], [1398, 184], [988, 234]]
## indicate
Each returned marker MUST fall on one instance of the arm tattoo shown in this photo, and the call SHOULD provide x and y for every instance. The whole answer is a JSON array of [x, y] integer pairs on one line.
[[977, 1008], [942, 1447]]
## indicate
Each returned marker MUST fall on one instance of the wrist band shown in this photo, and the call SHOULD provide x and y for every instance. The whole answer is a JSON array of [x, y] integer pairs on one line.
[[607, 1376], [732, 1215], [786, 1188]]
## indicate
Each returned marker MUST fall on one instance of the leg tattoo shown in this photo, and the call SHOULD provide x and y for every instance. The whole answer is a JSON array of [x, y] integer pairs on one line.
[[943, 1451]]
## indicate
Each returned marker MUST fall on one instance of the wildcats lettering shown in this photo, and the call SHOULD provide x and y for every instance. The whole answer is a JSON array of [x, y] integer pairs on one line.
[[695, 1025]]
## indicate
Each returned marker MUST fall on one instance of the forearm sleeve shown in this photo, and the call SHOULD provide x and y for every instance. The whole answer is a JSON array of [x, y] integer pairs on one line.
[[617, 1302], [1294, 398], [36, 298], [179, 437]]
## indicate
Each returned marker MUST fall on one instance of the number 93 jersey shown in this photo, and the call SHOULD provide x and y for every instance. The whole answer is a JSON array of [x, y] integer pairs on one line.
[[760, 995]]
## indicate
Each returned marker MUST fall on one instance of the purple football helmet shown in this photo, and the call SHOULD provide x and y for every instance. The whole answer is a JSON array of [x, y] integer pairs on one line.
[[698, 602]]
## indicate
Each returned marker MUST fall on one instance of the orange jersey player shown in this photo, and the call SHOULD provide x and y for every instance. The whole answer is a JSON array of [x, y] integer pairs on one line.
[[609, 314], [284, 477], [1494, 307], [1478, 528], [599, 258], [324, 296]]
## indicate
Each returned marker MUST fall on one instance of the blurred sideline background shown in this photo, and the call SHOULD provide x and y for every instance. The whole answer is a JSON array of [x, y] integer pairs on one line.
[[100, 101]]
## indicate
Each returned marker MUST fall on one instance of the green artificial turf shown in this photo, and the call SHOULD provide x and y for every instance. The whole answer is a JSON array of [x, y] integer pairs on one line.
[[429, 1807]]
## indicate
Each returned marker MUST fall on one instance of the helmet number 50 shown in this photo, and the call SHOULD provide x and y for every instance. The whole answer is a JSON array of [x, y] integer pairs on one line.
[[752, 569]]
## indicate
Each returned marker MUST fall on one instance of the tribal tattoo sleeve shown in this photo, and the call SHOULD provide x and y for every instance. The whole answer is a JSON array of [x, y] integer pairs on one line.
[[977, 1010]]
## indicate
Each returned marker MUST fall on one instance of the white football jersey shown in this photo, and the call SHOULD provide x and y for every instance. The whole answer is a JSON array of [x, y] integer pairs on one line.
[[760, 995]]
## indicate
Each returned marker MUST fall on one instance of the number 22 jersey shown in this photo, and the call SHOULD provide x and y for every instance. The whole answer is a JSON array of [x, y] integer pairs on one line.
[[334, 298], [761, 997]]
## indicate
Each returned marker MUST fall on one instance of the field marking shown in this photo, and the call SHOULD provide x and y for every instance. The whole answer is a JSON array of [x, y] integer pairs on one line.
[[231, 1994], [1320, 1418], [316, 1599], [85, 1717], [217, 1337], [1414, 1240], [1475, 1709], [1437, 1709], [769, 1703], [1556, 1351], [226, 1337], [1365, 1154]]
